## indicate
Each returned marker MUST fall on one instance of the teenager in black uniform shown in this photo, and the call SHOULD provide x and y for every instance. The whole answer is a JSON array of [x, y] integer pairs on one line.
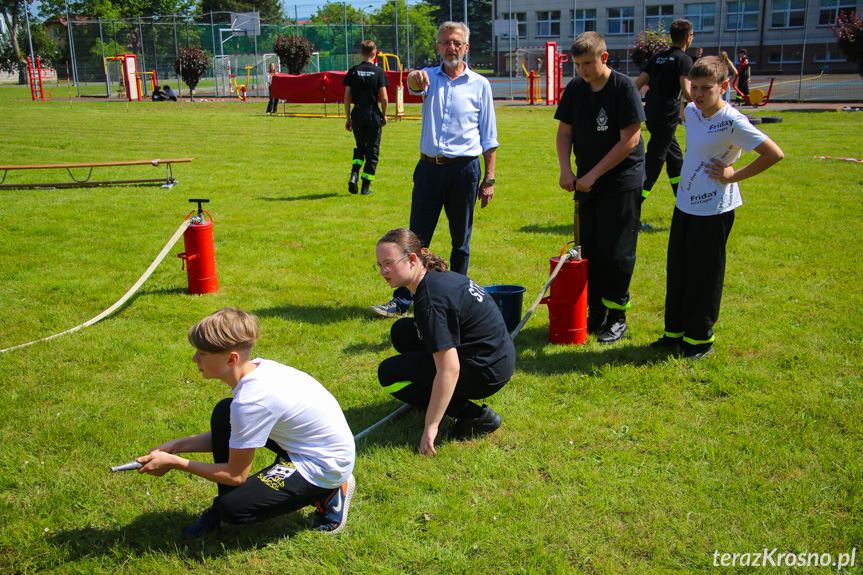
[[600, 116], [667, 75], [367, 85], [455, 348], [743, 73]]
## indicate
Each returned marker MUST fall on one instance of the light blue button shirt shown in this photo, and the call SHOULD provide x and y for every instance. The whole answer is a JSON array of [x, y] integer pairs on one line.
[[458, 115]]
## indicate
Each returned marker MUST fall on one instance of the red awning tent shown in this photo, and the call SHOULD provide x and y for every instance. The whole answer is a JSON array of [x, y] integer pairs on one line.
[[326, 87]]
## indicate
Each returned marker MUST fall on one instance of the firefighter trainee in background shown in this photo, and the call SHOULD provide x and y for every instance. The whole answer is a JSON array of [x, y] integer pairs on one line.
[[667, 77], [366, 84]]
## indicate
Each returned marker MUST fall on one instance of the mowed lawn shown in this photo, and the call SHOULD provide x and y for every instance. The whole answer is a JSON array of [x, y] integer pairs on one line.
[[611, 459]]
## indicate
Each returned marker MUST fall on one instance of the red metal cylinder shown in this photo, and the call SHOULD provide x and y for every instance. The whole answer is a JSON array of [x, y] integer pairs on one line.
[[200, 258], [567, 303]]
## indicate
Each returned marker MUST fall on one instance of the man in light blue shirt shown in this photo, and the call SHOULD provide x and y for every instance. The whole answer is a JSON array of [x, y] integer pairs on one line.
[[458, 125]]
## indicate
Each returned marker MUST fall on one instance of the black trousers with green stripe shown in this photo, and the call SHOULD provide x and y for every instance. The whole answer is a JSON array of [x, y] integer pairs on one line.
[[366, 125], [409, 376], [662, 148], [695, 275]]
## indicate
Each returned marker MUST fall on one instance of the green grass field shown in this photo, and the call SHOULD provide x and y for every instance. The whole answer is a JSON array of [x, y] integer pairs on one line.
[[611, 459]]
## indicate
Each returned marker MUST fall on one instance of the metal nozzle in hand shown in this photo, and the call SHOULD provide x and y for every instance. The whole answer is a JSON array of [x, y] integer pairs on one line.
[[131, 466]]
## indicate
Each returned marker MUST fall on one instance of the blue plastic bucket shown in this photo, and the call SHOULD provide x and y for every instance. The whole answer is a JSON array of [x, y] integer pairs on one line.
[[509, 299]]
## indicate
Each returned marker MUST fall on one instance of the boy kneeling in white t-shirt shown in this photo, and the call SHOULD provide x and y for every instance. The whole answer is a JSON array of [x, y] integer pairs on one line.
[[716, 135], [274, 406]]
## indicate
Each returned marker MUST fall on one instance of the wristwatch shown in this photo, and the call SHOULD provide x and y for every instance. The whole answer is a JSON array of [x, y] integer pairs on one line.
[[489, 181]]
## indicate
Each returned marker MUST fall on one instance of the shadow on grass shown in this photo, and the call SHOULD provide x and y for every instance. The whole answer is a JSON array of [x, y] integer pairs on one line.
[[298, 198], [316, 314], [533, 347], [161, 532], [537, 229], [358, 348], [398, 432]]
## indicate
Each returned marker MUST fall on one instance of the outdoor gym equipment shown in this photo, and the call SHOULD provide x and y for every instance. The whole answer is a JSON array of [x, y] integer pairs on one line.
[[241, 88], [756, 97], [36, 74], [126, 69], [400, 91]]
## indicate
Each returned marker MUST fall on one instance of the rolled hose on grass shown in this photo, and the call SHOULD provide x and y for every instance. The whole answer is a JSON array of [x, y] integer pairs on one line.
[[123, 299]]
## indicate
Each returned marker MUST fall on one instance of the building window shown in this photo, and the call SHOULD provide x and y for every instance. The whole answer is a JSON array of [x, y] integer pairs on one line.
[[785, 56], [522, 22], [829, 55], [702, 16], [621, 21], [743, 15], [830, 9], [584, 21], [660, 16], [548, 24], [788, 14]]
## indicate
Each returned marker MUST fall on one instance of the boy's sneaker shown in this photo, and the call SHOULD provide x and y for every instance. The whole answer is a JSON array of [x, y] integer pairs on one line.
[[613, 328], [696, 352], [331, 514], [667, 343], [466, 428], [207, 522], [389, 309]]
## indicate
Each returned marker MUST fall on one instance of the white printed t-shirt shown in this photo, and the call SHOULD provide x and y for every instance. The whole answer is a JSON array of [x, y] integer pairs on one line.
[[723, 136], [290, 407]]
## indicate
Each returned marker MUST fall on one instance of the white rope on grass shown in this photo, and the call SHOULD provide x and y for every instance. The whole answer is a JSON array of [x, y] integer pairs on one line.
[[123, 299]]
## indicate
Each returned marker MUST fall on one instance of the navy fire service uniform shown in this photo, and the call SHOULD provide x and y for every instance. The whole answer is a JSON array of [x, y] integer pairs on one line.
[[662, 107], [365, 81]]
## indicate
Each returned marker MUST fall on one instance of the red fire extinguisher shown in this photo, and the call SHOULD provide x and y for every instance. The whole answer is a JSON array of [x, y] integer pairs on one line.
[[199, 259]]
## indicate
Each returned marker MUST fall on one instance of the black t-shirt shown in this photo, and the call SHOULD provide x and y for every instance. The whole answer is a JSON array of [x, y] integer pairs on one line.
[[452, 311], [665, 70], [596, 119], [365, 81]]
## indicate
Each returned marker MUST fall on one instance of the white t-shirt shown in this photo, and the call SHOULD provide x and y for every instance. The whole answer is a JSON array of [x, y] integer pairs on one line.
[[290, 407], [723, 136]]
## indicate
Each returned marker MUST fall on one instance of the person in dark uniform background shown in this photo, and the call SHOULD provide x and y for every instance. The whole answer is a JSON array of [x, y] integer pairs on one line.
[[366, 84], [600, 115], [667, 77], [743, 72], [456, 347]]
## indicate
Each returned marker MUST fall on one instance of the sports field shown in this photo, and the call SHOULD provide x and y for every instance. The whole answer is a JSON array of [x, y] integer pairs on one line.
[[611, 459]]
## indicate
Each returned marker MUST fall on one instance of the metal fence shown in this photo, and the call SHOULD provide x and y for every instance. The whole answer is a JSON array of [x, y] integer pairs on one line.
[[156, 41], [806, 64]]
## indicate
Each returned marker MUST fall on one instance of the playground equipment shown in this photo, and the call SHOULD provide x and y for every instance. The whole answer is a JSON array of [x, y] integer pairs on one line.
[[122, 69], [400, 91], [199, 259], [153, 79], [553, 76], [241, 88], [167, 182], [37, 74]]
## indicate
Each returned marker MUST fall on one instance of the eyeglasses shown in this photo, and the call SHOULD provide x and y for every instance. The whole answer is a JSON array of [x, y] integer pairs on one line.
[[388, 266], [453, 43]]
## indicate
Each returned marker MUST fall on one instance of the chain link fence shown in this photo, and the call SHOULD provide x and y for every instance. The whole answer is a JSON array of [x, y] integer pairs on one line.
[[237, 59]]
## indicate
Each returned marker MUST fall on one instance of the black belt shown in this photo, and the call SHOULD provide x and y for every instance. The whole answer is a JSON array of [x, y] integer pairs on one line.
[[440, 160]]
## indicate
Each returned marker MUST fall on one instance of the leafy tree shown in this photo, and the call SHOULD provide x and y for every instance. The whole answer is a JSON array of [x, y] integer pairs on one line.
[[113, 9], [423, 31], [191, 65], [43, 48], [334, 13], [649, 42], [479, 20], [849, 35], [294, 52], [12, 61]]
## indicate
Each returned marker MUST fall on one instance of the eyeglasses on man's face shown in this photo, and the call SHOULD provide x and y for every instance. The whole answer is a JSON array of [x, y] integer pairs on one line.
[[454, 43], [388, 266]]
